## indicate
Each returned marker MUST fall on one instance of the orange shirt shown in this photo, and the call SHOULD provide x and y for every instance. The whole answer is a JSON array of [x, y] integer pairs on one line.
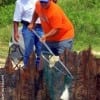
[[54, 17]]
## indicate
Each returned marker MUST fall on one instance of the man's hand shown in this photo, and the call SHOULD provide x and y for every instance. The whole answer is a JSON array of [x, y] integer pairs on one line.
[[30, 26], [43, 38], [16, 37]]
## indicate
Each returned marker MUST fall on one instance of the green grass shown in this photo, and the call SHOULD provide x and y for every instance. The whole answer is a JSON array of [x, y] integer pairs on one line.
[[5, 35]]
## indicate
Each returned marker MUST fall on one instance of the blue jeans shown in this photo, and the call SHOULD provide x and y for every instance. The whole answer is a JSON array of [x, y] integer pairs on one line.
[[30, 40], [58, 47]]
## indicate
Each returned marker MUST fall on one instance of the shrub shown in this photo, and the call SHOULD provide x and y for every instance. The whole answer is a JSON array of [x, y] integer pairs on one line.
[[6, 13]]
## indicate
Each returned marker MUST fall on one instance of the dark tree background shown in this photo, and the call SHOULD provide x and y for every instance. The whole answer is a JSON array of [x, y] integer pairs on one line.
[[6, 2]]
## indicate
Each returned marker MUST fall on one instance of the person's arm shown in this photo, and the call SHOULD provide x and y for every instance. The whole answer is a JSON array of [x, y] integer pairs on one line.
[[15, 27], [34, 18], [17, 19], [49, 34]]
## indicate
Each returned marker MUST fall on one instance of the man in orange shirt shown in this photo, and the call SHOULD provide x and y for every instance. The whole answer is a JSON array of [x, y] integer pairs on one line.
[[58, 29]]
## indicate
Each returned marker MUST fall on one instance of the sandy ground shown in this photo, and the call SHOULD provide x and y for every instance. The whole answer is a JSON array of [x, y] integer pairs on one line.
[[2, 62], [96, 53]]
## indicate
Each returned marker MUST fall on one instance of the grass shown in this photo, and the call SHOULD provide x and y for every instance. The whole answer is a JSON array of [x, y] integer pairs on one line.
[[5, 35]]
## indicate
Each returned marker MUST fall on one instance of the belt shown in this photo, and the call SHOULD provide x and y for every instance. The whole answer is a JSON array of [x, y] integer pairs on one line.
[[25, 22], [37, 25]]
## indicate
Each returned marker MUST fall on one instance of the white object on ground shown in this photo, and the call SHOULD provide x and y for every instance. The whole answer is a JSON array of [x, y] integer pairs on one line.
[[53, 60], [65, 94]]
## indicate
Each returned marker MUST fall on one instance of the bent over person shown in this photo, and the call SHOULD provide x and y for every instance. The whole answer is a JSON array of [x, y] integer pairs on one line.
[[58, 29], [58, 35], [23, 14]]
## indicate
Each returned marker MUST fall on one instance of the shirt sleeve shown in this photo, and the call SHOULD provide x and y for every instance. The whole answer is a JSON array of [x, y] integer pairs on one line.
[[17, 12]]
